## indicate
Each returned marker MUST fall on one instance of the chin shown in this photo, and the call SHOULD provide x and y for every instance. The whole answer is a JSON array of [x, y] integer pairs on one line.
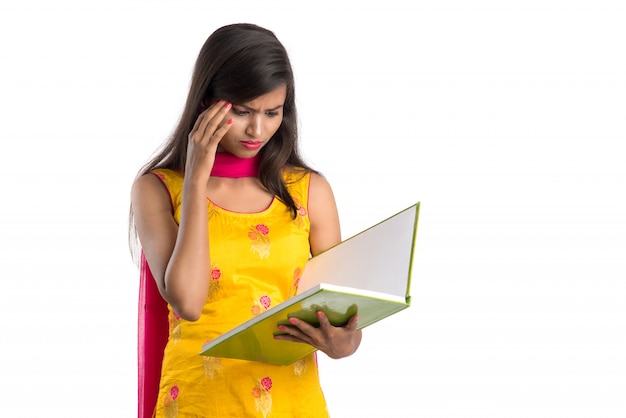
[[247, 153]]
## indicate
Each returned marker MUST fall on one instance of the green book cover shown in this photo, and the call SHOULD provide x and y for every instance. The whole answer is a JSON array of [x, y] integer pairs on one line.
[[368, 274]]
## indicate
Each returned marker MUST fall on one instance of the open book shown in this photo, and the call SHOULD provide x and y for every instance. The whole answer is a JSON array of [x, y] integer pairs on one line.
[[368, 274]]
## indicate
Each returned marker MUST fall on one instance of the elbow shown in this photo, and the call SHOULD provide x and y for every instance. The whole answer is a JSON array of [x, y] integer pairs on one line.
[[186, 301], [185, 305], [192, 316], [188, 312]]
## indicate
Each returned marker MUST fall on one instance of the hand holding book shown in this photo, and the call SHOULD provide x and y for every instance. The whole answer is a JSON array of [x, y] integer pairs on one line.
[[335, 341]]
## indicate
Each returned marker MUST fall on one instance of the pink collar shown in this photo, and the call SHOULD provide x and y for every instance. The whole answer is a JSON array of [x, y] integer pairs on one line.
[[229, 165]]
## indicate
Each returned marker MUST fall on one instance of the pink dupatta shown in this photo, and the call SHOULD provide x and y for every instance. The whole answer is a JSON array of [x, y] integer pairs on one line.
[[152, 338]]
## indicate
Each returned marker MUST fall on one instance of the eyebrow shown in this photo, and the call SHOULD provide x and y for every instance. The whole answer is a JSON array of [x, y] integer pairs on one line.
[[267, 110]]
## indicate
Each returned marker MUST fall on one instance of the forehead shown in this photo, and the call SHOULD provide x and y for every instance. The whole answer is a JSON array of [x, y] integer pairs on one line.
[[270, 100]]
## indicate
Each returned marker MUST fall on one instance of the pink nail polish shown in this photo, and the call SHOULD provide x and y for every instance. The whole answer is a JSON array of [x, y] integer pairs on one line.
[[281, 327], [320, 314], [230, 122], [293, 320]]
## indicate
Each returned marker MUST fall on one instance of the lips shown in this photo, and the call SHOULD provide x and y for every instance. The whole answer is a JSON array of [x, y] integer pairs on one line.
[[251, 145]]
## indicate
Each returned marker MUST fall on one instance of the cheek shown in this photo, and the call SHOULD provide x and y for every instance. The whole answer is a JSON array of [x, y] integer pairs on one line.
[[275, 125], [234, 130]]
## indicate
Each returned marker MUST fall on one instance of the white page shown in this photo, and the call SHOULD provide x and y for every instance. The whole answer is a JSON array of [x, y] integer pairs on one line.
[[377, 259]]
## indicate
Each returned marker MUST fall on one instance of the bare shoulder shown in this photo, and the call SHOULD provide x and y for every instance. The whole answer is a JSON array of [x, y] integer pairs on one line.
[[149, 195], [321, 196], [319, 185], [323, 214]]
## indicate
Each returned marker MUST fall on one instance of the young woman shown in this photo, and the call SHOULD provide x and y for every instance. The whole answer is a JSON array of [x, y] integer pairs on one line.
[[227, 215]]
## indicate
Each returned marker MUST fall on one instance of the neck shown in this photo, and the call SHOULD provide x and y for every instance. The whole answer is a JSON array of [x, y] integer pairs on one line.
[[229, 165]]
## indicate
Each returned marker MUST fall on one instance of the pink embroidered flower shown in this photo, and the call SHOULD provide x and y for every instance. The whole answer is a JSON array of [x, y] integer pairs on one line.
[[259, 235], [296, 276], [266, 382], [262, 229], [174, 392], [214, 283], [265, 301], [262, 396]]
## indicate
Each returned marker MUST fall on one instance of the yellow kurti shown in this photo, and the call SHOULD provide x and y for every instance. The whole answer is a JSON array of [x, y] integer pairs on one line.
[[256, 262]]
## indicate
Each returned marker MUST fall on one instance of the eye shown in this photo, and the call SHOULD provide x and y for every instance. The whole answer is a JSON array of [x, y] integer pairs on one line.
[[272, 113], [240, 112]]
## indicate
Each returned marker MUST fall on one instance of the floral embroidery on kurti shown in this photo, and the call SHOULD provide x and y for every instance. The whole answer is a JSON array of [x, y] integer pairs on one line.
[[299, 367], [171, 406], [302, 213], [262, 396], [214, 284], [212, 211], [211, 365], [261, 305], [260, 240], [175, 327], [297, 274]]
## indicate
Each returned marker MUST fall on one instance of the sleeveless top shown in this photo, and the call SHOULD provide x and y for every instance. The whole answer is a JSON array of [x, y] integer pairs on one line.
[[256, 261]]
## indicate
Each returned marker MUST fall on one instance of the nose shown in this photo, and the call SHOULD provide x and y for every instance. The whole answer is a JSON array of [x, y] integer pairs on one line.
[[255, 126]]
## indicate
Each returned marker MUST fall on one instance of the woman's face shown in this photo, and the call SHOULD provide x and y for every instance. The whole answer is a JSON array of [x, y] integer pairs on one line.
[[254, 123]]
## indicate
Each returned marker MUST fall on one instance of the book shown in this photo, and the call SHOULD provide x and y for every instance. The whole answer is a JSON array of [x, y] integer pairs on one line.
[[368, 274]]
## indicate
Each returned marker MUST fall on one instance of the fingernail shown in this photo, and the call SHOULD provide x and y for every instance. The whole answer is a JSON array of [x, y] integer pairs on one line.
[[320, 314], [281, 327], [293, 320], [230, 122], [228, 105]]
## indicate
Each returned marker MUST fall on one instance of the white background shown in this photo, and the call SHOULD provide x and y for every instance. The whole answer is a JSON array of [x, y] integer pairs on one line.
[[506, 119]]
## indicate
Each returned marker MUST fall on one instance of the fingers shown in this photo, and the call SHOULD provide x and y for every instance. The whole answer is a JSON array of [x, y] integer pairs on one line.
[[325, 324], [301, 330], [320, 337], [336, 342], [352, 323], [210, 124]]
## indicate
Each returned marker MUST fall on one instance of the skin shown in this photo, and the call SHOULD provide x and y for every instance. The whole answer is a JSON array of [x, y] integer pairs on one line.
[[179, 254]]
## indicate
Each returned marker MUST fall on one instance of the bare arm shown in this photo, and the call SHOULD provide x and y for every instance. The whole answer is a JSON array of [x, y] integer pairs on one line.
[[178, 255]]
